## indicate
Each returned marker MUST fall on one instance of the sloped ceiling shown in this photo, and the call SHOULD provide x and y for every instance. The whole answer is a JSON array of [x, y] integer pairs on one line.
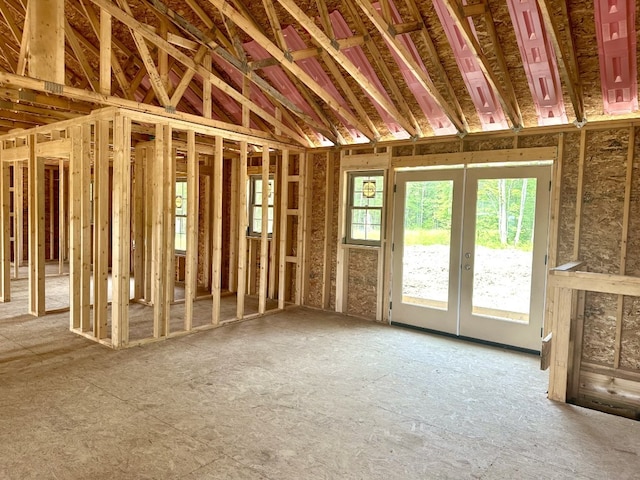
[[325, 72]]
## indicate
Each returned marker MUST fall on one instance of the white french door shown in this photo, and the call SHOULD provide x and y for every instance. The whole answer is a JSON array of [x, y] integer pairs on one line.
[[469, 249]]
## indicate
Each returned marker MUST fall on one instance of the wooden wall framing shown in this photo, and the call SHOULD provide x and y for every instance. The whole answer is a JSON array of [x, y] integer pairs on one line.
[[122, 170]]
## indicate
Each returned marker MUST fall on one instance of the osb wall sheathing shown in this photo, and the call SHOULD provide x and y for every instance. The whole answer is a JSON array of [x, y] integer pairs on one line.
[[630, 335], [318, 234], [362, 279], [568, 193], [334, 229], [201, 230], [600, 235], [480, 144]]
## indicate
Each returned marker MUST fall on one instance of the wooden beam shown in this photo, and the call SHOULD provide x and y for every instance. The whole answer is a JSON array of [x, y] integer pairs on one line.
[[596, 282], [10, 20], [509, 103], [90, 75], [101, 219], [284, 222], [5, 231], [162, 44], [282, 44], [216, 256], [105, 52], [149, 219], [191, 262], [75, 214], [62, 216], [486, 156], [233, 227], [206, 90], [85, 230], [24, 46], [626, 214], [554, 228], [138, 222], [145, 54], [304, 222], [282, 58], [559, 362], [496, 46], [121, 232], [405, 57], [232, 132], [18, 217], [97, 26], [243, 223], [264, 233], [328, 230], [319, 36], [577, 224], [238, 63], [46, 40], [565, 54], [36, 232]]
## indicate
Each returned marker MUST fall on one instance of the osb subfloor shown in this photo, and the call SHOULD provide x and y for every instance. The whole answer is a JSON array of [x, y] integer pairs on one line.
[[297, 395]]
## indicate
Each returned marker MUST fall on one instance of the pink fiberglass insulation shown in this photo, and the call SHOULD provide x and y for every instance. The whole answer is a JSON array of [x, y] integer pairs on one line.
[[616, 33], [489, 110], [539, 61], [359, 59]]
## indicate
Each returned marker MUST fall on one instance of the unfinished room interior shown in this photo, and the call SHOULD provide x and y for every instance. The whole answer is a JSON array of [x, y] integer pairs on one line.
[[319, 239]]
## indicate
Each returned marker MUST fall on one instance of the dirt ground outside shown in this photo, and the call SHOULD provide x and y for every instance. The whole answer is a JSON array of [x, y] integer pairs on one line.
[[502, 277]]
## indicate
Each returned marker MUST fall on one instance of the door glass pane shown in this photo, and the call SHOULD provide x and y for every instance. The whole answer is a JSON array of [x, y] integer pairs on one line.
[[505, 214], [427, 240]]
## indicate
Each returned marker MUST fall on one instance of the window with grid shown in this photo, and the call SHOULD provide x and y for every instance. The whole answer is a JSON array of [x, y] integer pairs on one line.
[[181, 216], [255, 205], [364, 213]]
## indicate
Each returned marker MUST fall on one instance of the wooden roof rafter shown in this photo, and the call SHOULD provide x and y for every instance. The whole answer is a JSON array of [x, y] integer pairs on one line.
[[500, 58], [84, 7], [330, 46], [149, 63], [80, 56], [223, 41], [287, 62], [386, 31], [281, 42], [427, 41], [188, 62], [565, 55], [380, 63], [235, 62], [507, 100], [5, 49]]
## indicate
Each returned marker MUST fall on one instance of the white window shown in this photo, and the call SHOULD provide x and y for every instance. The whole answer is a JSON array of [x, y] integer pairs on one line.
[[255, 205], [181, 216], [364, 210]]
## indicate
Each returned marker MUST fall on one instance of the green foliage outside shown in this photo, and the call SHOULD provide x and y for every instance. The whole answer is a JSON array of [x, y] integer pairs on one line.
[[504, 216]]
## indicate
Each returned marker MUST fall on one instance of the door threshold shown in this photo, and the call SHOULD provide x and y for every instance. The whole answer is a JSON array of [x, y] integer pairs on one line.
[[467, 339]]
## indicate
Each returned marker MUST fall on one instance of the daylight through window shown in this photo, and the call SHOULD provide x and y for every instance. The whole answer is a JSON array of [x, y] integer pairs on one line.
[[364, 219]]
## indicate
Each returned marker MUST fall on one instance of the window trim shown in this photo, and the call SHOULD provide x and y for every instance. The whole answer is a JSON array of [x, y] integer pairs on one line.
[[351, 178]]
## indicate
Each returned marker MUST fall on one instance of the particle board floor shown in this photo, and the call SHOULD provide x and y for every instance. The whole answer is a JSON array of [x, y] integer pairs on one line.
[[298, 395]]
